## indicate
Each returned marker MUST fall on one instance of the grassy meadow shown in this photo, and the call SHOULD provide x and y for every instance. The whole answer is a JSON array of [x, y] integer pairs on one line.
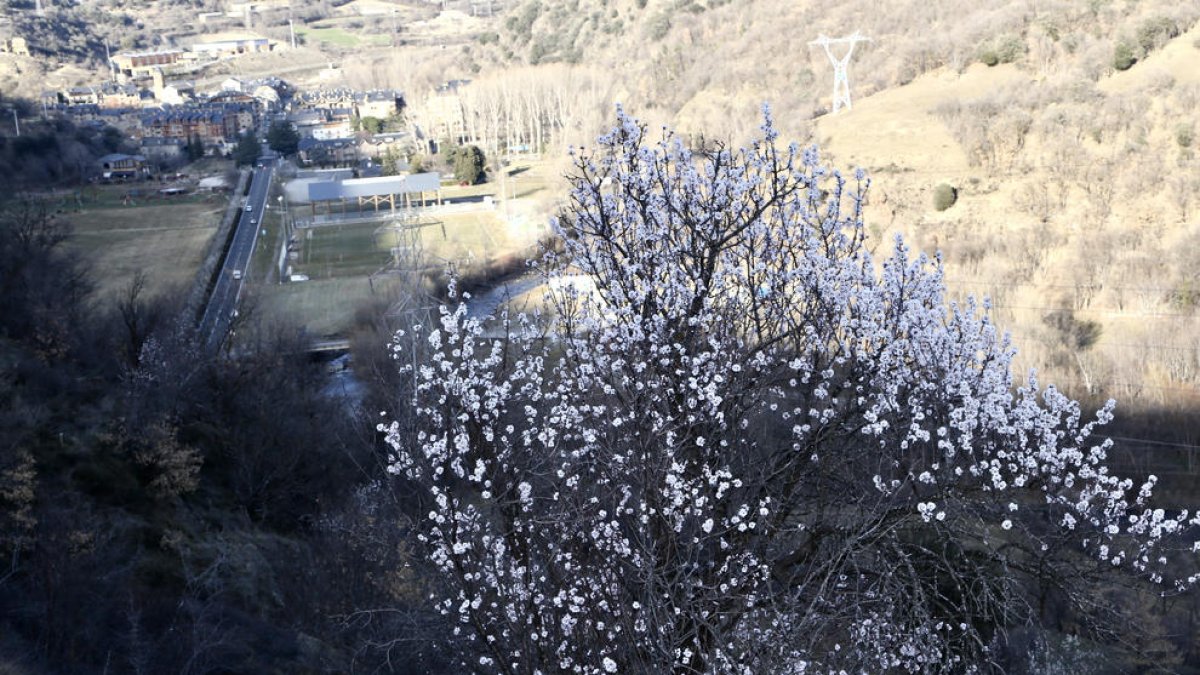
[[164, 239]]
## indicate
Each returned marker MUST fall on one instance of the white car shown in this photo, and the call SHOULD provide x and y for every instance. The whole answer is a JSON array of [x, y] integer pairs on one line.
[[249, 207], [237, 275]]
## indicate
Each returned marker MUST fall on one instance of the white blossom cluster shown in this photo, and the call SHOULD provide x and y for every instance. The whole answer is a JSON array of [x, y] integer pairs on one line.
[[752, 448]]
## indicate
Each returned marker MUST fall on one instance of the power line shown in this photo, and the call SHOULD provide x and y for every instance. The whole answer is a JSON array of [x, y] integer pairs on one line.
[[1125, 345], [1102, 310], [1034, 284], [1147, 441]]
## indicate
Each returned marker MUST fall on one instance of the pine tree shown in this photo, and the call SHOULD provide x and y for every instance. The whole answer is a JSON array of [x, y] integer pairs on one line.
[[247, 150]]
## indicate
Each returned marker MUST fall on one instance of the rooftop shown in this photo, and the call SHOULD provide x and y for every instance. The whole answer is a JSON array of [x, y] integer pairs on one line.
[[374, 187]]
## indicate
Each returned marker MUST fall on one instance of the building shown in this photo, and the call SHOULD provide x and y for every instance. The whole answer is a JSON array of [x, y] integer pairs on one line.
[[331, 130], [381, 104], [176, 93], [17, 46], [84, 95], [122, 167], [113, 95], [83, 113], [399, 143], [443, 116], [375, 194], [232, 47], [138, 64], [127, 120], [327, 152], [245, 113], [163, 149], [211, 126], [267, 96], [234, 97]]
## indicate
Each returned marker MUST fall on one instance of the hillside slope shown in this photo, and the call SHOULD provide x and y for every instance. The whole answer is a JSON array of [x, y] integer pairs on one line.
[[1074, 170]]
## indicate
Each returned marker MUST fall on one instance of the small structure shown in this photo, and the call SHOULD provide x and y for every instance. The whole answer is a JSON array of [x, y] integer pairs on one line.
[[213, 184], [17, 46], [117, 166]]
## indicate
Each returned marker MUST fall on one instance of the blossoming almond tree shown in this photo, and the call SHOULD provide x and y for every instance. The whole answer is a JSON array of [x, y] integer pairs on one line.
[[750, 447]]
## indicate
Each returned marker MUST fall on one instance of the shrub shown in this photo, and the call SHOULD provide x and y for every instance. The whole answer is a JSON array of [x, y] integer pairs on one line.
[[371, 125], [1010, 48], [944, 196], [1154, 33], [989, 58], [1184, 135], [469, 162], [1123, 58], [658, 27]]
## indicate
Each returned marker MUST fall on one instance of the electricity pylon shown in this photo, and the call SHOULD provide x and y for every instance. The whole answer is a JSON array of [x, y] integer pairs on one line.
[[841, 76]]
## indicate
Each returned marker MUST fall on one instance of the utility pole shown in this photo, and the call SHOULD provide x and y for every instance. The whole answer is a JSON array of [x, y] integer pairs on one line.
[[16, 121], [292, 28], [841, 76]]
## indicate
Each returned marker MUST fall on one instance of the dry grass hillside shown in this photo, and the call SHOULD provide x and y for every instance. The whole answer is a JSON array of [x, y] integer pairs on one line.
[[1064, 134]]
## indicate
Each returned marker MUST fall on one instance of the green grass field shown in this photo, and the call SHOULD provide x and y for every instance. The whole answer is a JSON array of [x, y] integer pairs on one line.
[[339, 251], [326, 307], [166, 240], [340, 37], [340, 259]]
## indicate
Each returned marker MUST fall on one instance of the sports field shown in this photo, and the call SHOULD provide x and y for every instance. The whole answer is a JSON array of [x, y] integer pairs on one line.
[[167, 240], [340, 37], [348, 265], [338, 251]]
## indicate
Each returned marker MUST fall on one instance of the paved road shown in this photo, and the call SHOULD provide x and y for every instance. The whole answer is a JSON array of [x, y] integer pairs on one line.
[[222, 304]]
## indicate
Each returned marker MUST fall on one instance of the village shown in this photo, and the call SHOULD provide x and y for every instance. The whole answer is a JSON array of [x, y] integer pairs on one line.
[[168, 119], [365, 190]]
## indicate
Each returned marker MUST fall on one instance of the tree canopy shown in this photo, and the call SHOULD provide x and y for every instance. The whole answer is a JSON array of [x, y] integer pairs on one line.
[[738, 443], [283, 138], [247, 149], [469, 162]]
